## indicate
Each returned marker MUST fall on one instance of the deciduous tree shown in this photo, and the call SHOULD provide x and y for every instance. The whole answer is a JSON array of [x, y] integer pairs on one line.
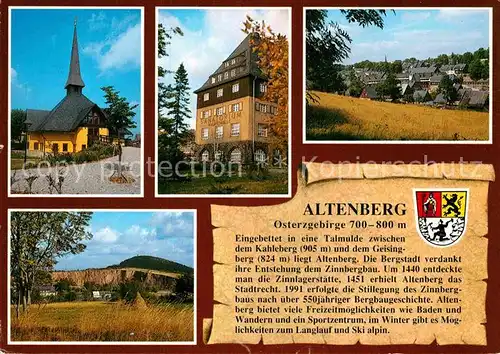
[[120, 117], [37, 240], [355, 85], [447, 89], [327, 45], [389, 88], [17, 119], [272, 51]]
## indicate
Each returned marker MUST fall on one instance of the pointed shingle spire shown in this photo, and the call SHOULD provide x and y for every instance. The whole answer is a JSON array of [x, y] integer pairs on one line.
[[74, 82]]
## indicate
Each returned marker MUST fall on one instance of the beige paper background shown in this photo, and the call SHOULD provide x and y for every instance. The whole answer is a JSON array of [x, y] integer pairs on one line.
[[320, 183]]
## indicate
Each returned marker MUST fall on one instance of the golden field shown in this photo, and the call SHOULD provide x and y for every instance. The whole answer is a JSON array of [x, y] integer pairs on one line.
[[336, 117], [104, 321]]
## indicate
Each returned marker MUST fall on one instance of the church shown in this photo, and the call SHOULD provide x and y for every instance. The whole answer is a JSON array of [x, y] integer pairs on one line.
[[232, 120], [74, 124]]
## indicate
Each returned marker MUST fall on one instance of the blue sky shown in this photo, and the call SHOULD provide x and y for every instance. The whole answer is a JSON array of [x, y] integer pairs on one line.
[[121, 235], [110, 54], [418, 33], [210, 35]]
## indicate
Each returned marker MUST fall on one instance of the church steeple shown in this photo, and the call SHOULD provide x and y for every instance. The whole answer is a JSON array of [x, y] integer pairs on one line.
[[74, 84]]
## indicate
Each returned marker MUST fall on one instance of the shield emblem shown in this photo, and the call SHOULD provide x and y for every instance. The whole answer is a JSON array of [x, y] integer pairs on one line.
[[441, 215]]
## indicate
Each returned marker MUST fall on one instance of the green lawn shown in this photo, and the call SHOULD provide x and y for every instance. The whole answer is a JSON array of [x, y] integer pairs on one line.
[[273, 183]]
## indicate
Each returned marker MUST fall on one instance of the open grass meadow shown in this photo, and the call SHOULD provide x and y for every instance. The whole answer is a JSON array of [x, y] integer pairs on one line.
[[336, 117], [103, 322]]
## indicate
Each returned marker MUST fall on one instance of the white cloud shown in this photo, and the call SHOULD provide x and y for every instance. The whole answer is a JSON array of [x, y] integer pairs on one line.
[[21, 87], [415, 16], [106, 235], [126, 50], [202, 51], [378, 46], [113, 244], [420, 44], [120, 50], [460, 14], [173, 224], [97, 21]]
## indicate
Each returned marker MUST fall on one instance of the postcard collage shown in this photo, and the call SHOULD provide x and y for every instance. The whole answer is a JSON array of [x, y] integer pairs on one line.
[[125, 124]]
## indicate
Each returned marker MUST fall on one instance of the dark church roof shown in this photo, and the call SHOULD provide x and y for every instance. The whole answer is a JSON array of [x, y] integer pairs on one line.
[[247, 66], [74, 76], [35, 118], [69, 113], [65, 117]]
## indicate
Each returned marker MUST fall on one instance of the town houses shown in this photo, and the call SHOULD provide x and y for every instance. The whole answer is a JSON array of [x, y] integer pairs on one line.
[[419, 82]]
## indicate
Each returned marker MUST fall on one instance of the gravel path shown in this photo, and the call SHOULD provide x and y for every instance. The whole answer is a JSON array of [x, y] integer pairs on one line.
[[86, 178]]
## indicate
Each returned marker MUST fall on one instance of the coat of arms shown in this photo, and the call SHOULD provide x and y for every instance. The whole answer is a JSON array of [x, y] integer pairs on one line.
[[441, 215]]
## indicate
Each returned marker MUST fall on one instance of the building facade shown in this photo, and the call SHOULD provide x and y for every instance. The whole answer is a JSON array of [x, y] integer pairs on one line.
[[232, 120], [73, 124]]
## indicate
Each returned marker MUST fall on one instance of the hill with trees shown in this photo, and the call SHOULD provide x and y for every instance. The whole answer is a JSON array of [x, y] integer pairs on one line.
[[154, 263]]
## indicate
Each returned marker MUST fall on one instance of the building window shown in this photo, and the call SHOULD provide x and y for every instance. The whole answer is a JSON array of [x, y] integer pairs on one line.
[[236, 155], [262, 130], [206, 96], [213, 80], [55, 147], [273, 110], [235, 129], [233, 61], [35, 146], [84, 146], [220, 92], [226, 75], [236, 107], [236, 87], [204, 133], [261, 107], [206, 114], [219, 77], [233, 72], [218, 155], [205, 156], [263, 87], [226, 64], [221, 111], [65, 147], [219, 132], [260, 156]]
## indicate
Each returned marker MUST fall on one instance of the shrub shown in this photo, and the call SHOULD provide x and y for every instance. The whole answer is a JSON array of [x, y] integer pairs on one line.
[[94, 153]]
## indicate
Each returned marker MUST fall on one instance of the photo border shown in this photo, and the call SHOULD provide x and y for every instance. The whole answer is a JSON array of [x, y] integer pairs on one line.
[[44, 343], [9, 100], [392, 142]]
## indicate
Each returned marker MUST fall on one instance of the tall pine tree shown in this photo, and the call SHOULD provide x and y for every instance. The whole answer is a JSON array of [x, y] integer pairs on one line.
[[164, 37], [178, 104], [172, 121]]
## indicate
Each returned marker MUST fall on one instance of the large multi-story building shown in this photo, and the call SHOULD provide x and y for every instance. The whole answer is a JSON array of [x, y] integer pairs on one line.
[[232, 121]]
